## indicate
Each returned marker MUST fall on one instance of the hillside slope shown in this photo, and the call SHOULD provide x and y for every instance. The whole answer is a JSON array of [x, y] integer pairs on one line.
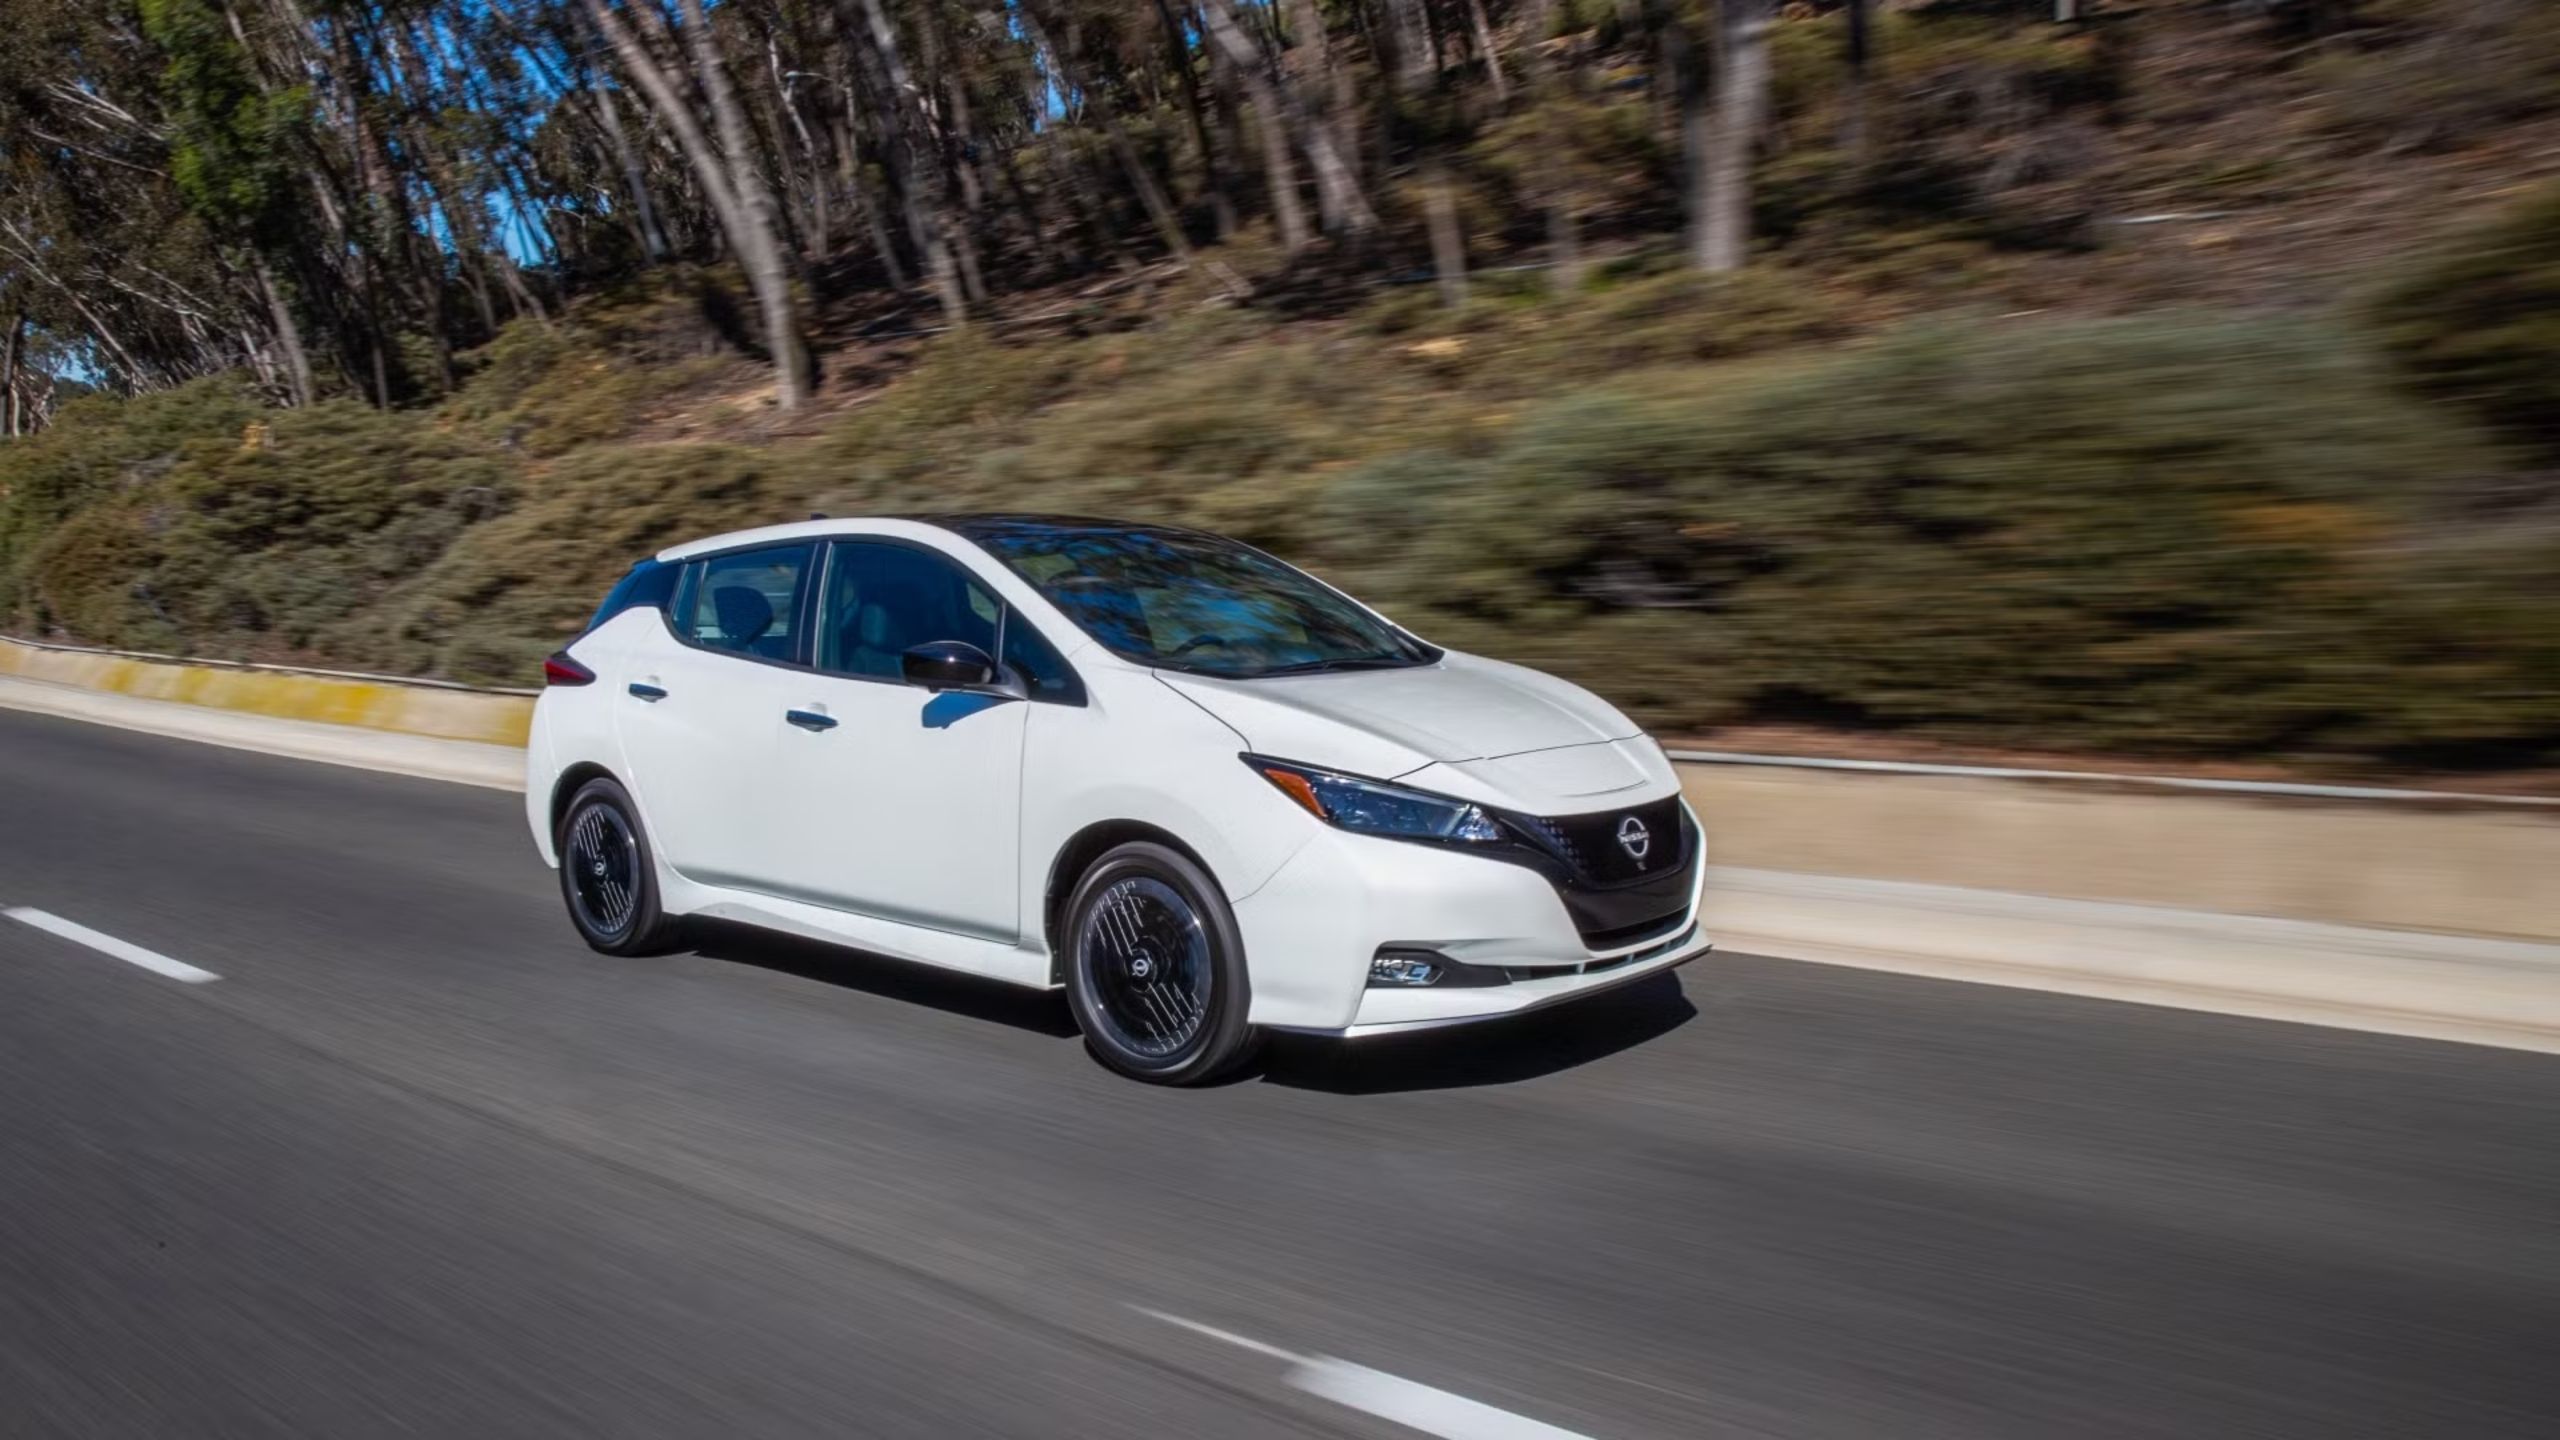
[[2145, 413]]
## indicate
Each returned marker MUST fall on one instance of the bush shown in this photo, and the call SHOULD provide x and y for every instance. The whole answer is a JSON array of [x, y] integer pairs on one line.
[[97, 450], [2178, 534], [2479, 325]]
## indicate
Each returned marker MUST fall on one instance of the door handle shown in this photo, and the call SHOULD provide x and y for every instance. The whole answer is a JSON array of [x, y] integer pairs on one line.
[[810, 720], [647, 692]]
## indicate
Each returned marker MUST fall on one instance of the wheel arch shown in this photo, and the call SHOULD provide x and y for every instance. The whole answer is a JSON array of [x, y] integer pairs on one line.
[[571, 781], [1078, 855]]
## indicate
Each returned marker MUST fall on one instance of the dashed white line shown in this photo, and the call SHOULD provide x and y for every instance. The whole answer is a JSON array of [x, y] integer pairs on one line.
[[1229, 1336], [1409, 1403], [129, 953]]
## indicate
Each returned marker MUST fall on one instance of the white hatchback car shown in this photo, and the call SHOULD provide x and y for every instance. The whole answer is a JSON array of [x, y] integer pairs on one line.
[[1204, 792]]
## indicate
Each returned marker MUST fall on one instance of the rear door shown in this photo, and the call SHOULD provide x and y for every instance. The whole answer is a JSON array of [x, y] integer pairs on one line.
[[701, 709], [907, 803]]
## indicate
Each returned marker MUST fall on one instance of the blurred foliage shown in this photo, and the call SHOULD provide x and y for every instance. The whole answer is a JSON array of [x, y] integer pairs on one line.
[[2479, 325], [2180, 533], [2201, 533], [2435, 74], [1967, 128]]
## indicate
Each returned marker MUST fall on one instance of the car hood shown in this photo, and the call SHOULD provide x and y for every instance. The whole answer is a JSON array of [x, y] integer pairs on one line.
[[1387, 723]]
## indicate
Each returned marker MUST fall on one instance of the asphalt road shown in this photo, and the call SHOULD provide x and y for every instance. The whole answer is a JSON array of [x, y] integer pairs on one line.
[[418, 1163]]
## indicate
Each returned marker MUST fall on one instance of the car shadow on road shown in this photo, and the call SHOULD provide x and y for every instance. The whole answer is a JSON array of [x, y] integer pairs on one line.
[[1495, 1052], [1041, 1011]]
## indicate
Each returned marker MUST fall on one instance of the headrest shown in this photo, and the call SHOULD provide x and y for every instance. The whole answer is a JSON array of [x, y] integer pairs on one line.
[[875, 626], [744, 613]]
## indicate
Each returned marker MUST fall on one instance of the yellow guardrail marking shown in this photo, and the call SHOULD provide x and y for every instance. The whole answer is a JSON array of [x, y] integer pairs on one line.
[[369, 704]]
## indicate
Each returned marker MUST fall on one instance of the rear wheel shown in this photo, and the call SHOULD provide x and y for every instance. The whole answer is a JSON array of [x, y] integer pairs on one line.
[[1155, 968], [606, 874]]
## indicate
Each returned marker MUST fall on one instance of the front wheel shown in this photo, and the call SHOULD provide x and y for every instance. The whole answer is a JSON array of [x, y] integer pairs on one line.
[[1155, 968], [606, 876]]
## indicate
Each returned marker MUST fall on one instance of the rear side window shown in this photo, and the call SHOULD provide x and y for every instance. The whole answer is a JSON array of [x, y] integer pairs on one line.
[[648, 584], [747, 602]]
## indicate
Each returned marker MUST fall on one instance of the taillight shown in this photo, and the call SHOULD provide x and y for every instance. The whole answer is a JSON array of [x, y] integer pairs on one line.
[[562, 669]]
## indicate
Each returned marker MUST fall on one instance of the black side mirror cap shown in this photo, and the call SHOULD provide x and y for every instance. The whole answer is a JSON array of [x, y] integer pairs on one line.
[[952, 665]]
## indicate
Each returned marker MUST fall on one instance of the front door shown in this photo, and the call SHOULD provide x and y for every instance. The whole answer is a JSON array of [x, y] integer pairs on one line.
[[907, 803]]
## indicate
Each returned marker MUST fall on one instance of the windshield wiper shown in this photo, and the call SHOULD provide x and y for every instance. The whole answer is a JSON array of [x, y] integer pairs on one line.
[[1318, 667]]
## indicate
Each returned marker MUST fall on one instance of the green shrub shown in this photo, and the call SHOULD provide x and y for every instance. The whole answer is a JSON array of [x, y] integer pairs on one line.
[[98, 449], [2173, 534], [2479, 325]]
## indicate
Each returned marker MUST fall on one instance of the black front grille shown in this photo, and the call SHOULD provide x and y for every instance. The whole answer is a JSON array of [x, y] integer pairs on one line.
[[1615, 936], [1592, 845]]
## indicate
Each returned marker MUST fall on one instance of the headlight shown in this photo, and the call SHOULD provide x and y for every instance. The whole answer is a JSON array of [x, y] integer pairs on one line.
[[1375, 808]]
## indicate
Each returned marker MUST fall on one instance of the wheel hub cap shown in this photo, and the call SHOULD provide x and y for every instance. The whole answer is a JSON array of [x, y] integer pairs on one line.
[[1146, 952], [604, 863]]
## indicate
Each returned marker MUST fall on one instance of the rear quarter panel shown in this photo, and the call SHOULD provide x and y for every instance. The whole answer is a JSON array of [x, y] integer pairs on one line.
[[573, 725]]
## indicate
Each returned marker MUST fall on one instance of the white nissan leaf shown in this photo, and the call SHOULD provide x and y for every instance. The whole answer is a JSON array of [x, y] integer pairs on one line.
[[1205, 793]]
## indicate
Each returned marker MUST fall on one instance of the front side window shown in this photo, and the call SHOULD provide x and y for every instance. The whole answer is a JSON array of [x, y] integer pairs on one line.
[[745, 602], [1188, 601], [884, 600]]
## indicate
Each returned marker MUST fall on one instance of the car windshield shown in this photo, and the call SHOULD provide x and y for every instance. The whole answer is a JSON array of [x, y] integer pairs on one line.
[[1187, 601]]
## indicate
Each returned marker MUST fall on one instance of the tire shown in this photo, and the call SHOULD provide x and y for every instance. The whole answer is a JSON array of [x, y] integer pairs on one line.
[[609, 875], [1155, 968]]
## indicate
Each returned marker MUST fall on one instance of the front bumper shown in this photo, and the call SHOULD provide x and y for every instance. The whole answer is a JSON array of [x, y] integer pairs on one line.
[[1312, 930]]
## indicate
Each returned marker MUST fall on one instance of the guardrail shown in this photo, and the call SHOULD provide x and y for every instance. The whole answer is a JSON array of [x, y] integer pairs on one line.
[[2112, 778], [154, 657], [398, 704], [2367, 794]]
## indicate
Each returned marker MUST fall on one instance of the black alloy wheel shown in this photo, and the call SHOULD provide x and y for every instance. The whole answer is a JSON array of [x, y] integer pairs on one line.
[[606, 876], [1155, 969]]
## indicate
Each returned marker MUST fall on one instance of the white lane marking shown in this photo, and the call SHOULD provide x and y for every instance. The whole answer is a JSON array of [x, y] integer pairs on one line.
[[1409, 1403], [1229, 1336], [131, 954]]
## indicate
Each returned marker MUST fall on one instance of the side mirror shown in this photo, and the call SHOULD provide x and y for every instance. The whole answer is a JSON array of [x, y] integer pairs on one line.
[[949, 665]]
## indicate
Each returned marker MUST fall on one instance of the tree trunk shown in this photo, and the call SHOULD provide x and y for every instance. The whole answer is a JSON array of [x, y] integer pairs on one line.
[[866, 207], [1564, 245], [1687, 92], [288, 334], [1742, 95], [9, 374], [928, 225], [1277, 169], [820, 237], [635, 177], [1222, 202], [1484, 47], [1448, 245], [1334, 179], [1407, 57], [1329, 111], [745, 222], [760, 242]]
